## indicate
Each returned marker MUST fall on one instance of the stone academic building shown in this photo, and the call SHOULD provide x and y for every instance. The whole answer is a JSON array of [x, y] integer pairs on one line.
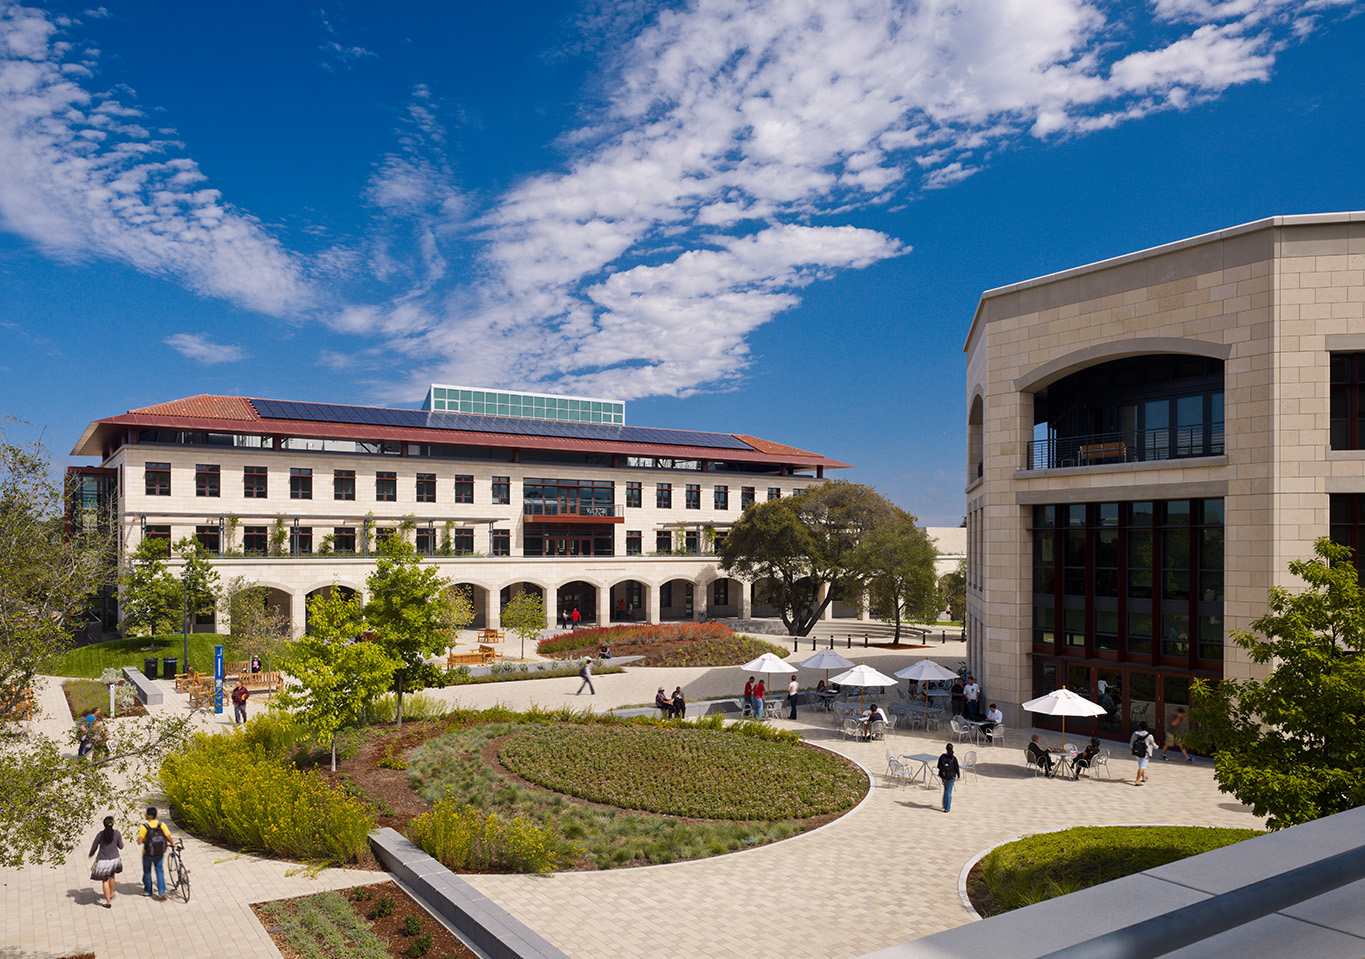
[[1150, 441]]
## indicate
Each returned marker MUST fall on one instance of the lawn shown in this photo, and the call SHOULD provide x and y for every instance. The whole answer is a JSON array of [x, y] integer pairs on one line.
[[663, 644], [90, 661], [1053, 864]]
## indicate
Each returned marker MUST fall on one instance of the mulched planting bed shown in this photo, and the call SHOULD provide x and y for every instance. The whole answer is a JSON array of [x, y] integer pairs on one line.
[[338, 925], [92, 694], [668, 645]]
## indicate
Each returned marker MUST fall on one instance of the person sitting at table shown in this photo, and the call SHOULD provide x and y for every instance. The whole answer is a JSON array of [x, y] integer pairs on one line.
[[994, 717], [1039, 756], [1087, 757], [874, 714], [820, 687], [679, 703], [663, 703]]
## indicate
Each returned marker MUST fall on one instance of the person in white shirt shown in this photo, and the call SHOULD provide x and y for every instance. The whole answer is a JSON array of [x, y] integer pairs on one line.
[[793, 688], [972, 693], [993, 717], [1143, 744]]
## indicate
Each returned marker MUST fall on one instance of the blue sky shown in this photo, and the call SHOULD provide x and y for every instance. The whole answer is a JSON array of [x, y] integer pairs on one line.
[[769, 218]]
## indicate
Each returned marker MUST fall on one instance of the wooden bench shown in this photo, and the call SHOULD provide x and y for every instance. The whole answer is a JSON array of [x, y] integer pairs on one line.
[[186, 680], [267, 683], [464, 659], [490, 654], [23, 708], [1096, 452], [232, 670], [491, 635]]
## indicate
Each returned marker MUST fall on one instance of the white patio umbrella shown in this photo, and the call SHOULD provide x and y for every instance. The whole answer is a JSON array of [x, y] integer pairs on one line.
[[826, 659], [864, 676], [1063, 702], [925, 669], [768, 663]]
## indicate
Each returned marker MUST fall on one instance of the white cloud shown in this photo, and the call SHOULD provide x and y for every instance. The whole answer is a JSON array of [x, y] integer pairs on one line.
[[203, 350]]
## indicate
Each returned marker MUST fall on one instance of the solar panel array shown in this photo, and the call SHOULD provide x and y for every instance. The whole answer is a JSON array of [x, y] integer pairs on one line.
[[473, 423]]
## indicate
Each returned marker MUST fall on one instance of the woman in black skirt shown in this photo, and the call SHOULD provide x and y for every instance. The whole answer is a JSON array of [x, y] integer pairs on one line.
[[107, 863]]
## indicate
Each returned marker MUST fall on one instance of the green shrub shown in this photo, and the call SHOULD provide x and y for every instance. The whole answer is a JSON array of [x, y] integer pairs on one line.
[[418, 947], [361, 894], [382, 908], [390, 761], [463, 839], [228, 789], [412, 925], [275, 733], [415, 707]]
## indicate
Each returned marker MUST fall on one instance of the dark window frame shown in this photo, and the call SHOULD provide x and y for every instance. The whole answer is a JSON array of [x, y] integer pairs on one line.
[[255, 482], [385, 486], [424, 487], [300, 483], [343, 485], [208, 480], [464, 488], [158, 479]]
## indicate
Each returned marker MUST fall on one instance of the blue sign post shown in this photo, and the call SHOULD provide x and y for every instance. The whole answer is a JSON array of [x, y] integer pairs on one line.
[[218, 679]]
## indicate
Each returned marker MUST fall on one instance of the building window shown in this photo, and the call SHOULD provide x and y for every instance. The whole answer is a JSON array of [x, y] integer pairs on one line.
[[722, 497], [162, 533], [746, 497], [634, 496], [663, 496], [343, 539], [301, 541], [300, 484], [464, 489], [663, 541], [255, 540], [462, 541], [692, 542], [254, 482], [206, 479], [568, 497], [1347, 389], [426, 487], [693, 496], [720, 591], [386, 487], [343, 484], [634, 544], [426, 540], [210, 538], [158, 479], [501, 542], [774, 492], [382, 534], [502, 490]]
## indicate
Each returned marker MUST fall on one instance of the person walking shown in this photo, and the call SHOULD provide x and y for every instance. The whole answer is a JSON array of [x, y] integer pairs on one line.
[[575, 617], [793, 689], [586, 673], [948, 772], [108, 863], [1175, 731], [83, 727], [1142, 745], [240, 694], [155, 839]]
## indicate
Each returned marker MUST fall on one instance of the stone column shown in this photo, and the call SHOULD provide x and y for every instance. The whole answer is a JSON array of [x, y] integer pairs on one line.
[[603, 605]]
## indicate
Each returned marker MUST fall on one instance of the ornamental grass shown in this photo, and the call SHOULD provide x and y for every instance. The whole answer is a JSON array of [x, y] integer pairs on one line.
[[468, 840], [231, 788]]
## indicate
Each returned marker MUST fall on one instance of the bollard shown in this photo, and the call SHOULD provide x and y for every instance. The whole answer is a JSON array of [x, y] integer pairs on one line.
[[849, 640], [864, 640]]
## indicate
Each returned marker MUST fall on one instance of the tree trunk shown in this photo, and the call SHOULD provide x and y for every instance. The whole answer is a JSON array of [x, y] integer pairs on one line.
[[400, 699], [334, 754]]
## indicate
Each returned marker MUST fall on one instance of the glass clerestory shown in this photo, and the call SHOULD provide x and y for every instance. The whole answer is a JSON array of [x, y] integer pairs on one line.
[[1137, 409], [530, 406]]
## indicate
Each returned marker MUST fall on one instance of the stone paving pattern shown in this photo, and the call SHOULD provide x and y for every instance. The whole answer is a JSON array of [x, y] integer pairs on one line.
[[885, 873]]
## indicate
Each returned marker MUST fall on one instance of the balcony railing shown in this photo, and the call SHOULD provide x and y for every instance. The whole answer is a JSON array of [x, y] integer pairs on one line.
[[1144, 446], [572, 510]]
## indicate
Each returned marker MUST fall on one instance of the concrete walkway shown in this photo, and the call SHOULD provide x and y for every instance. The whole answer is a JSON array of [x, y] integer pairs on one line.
[[806, 897]]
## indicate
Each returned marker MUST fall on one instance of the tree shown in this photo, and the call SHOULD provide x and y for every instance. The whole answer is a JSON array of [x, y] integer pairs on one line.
[[48, 798], [257, 629], [525, 616], [806, 544], [334, 677], [1290, 745], [149, 597], [897, 558], [410, 610], [198, 579], [953, 588]]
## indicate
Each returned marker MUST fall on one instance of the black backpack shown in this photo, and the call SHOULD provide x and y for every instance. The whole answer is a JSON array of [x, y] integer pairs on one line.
[[1140, 746], [155, 843], [946, 767]]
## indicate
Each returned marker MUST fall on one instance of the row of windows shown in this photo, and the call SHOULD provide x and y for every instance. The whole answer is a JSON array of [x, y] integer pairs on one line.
[[256, 540], [256, 485]]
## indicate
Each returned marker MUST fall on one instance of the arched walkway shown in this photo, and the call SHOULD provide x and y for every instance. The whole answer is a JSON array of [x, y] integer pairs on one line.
[[323, 591], [677, 600], [576, 595], [630, 602]]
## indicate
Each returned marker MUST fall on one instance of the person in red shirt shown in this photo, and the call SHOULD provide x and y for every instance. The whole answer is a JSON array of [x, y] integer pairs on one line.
[[749, 696], [759, 690], [575, 618]]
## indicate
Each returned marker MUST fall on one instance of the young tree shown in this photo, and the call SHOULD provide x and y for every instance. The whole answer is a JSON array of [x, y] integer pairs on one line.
[[807, 545], [198, 579], [334, 677], [897, 557], [149, 595], [410, 610], [47, 797], [953, 588], [525, 617], [257, 629], [1290, 745]]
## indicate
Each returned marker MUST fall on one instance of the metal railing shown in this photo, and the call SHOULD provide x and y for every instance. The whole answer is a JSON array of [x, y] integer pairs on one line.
[[570, 509], [1142, 446]]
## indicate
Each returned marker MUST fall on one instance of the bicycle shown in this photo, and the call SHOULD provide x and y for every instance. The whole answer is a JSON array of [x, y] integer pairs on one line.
[[178, 872]]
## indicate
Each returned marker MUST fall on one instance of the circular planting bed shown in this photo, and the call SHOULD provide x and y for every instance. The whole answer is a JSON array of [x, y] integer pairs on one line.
[[698, 773], [666, 644]]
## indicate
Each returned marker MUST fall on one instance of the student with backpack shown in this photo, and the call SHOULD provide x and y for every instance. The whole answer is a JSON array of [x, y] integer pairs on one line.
[[155, 839], [949, 772], [1143, 745]]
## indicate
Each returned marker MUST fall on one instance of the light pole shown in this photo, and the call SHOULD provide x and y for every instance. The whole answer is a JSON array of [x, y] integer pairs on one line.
[[185, 620]]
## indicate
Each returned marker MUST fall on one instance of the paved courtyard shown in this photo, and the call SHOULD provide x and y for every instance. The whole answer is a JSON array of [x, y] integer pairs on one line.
[[885, 873]]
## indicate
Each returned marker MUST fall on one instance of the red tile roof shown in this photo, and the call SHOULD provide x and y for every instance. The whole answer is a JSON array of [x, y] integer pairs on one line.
[[204, 406], [767, 446]]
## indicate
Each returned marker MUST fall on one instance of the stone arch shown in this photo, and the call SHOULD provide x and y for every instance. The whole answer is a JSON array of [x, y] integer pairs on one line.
[[478, 598], [634, 595], [724, 597], [580, 594], [678, 599], [325, 590], [1063, 366], [976, 425]]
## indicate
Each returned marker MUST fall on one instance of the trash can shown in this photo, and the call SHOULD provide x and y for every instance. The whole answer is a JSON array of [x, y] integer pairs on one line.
[[168, 667], [149, 667]]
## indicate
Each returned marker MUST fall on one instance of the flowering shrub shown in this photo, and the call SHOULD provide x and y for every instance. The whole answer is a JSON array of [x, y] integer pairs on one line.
[[466, 839], [226, 788], [663, 644], [695, 772]]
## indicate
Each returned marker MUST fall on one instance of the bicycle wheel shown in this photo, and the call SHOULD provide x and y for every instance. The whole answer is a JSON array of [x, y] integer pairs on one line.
[[182, 879]]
